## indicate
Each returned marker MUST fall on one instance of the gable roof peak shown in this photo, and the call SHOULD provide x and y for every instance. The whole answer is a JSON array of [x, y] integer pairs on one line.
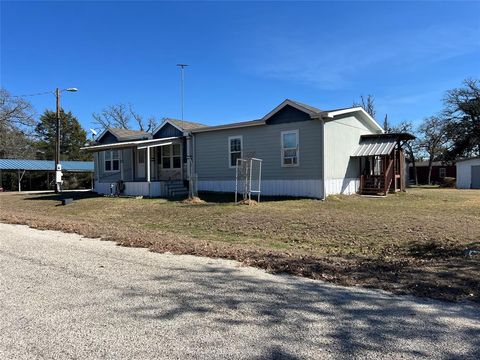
[[310, 110], [179, 124]]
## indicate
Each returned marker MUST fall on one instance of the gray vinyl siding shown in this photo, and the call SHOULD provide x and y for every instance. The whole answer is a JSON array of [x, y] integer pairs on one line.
[[342, 137], [264, 142]]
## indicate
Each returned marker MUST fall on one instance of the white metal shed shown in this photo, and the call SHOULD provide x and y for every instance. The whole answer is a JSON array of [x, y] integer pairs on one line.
[[468, 173]]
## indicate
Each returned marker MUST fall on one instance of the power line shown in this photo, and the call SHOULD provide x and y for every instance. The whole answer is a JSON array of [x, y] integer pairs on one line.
[[35, 94]]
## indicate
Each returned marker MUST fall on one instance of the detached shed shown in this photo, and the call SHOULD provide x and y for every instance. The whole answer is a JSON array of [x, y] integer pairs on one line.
[[468, 173]]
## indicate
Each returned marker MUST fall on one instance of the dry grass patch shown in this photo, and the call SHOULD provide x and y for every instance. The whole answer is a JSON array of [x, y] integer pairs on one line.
[[412, 242]]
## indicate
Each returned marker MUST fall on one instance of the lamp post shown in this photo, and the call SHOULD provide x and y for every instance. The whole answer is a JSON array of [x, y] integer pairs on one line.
[[58, 167]]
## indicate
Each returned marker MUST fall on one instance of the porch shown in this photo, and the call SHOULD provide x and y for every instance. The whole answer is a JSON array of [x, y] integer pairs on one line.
[[150, 168], [382, 163]]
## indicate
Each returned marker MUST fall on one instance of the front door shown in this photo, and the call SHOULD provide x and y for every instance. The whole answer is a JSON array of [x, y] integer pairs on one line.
[[140, 155], [171, 162]]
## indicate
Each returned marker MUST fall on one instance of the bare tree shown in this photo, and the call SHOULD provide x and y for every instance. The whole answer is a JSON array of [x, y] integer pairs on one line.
[[15, 112], [123, 116], [433, 139], [412, 147], [368, 104], [17, 119]]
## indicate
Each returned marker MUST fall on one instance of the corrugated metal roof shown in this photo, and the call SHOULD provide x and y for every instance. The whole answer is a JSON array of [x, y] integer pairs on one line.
[[375, 146], [45, 165]]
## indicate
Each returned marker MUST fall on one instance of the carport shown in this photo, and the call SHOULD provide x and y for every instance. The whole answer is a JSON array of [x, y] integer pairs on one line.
[[23, 166]]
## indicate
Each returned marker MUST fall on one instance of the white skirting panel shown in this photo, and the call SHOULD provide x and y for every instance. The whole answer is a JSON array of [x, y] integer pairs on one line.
[[154, 189], [300, 188], [346, 186]]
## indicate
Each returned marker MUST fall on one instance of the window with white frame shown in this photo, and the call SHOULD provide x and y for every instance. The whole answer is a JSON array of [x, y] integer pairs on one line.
[[290, 151], [112, 160], [235, 148], [442, 172], [171, 156]]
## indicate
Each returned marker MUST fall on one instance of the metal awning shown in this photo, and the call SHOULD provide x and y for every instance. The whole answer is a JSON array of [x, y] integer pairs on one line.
[[140, 144], [374, 147], [45, 165]]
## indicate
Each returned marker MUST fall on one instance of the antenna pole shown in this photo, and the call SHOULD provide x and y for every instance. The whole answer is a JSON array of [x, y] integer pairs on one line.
[[182, 81]]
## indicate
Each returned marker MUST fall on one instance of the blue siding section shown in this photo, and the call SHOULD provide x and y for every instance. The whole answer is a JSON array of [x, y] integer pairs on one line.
[[108, 138], [167, 131], [287, 115]]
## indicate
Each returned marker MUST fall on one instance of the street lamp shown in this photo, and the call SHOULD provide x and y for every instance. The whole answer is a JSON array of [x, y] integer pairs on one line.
[[58, 167]]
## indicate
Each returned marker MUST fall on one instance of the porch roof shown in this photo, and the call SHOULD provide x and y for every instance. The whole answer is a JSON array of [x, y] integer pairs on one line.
[[129, 144], [380, 144], [375, 146]]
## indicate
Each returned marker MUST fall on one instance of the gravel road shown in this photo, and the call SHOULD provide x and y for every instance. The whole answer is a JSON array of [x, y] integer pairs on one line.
[[63, 296]]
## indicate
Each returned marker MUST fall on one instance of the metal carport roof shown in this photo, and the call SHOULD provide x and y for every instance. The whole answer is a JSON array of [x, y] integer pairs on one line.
[[45, 165], [375, 146]]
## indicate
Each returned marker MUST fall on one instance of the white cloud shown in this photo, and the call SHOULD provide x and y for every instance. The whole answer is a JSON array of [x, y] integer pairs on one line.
[[329, 64]]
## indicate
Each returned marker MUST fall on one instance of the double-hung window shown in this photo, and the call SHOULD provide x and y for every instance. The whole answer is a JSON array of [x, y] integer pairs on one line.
[[442, 172], [171, 156], [112, 160], [290, 151], [235, 148]]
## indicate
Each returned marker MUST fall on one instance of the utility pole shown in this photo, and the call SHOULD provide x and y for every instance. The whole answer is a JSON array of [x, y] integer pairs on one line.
[[58, 171], [58, 166], [182, 80]]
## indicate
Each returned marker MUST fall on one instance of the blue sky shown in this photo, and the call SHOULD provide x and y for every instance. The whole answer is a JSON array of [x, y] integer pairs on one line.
[[244, 58]]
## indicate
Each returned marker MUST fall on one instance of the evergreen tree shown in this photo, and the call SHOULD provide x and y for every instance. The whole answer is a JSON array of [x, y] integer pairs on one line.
[[72, 136], [386, 125]]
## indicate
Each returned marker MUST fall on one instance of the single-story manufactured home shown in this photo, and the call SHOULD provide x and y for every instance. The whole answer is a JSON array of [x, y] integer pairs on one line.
[[305, 152], [468, 173]]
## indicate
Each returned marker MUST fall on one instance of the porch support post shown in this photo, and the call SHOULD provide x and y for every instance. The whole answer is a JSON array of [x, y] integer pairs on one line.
[[148, 171], [148, 164]]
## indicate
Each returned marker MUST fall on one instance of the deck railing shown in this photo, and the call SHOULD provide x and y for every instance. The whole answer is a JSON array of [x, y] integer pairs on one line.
[[389, 173]]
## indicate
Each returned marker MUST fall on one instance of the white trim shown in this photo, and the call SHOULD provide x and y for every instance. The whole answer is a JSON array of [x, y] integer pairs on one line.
[[442, 170], [332, 114], [127, 144], [171, 156], [230, 152], [345, 186], [324, 165], [102, 134], [155, 145], [292, 104], [229, 126], [282, 148], [111, 162], [166, 121], [311, 188]]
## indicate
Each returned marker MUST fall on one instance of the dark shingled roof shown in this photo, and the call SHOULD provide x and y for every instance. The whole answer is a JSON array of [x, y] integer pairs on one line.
[[125, 134], [186, 125], [313, 109]]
